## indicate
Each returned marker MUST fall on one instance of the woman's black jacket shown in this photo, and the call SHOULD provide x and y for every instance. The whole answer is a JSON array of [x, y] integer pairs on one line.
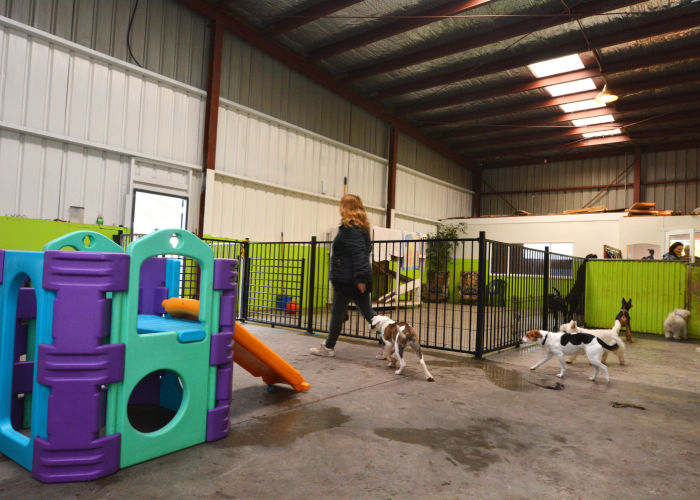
[[350, 256]]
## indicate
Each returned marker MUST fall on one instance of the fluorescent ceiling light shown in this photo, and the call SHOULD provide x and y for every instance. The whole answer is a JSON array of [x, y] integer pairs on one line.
[[556, 66], [571, 87], [581, 105], [594, 120], [603, 133]]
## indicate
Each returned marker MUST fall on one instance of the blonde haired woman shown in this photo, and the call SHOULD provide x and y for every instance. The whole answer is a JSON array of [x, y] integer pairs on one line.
[[351, 272]]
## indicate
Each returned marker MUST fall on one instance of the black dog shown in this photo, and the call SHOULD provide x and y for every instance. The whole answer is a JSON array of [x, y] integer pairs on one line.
[[557, 306], [624, 317]]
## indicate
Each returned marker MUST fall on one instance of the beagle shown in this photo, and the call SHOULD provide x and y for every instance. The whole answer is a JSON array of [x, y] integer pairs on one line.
[[395, 337], [564, 344]]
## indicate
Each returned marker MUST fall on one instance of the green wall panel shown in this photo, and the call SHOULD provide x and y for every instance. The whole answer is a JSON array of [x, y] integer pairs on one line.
[[32, 234], [656, 288]]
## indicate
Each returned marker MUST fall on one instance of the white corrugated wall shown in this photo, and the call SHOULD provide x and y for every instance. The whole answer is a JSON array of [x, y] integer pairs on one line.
[[595, 174], [72, 120]]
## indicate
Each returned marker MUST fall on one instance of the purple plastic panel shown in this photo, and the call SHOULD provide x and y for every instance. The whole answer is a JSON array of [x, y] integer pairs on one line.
[[77, 364], [26, 303], [218, 422], [225, 274], [52, 464], [152, 291], [223, 382], [221, 349], [22, 377]]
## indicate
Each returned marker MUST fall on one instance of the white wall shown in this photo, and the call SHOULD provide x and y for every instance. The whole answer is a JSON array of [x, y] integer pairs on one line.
[[79, 128], [588, 232]]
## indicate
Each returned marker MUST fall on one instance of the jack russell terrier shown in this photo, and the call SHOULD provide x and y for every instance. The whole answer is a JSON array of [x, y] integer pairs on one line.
[[565, 344], [395, 337]]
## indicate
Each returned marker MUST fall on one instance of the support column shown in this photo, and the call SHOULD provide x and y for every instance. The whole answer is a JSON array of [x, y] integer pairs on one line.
[[637, 174], [476, 186], [212, 113], [391, 179]]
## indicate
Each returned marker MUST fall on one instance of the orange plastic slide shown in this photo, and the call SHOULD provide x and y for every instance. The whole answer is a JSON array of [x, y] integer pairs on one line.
[[261, 361]]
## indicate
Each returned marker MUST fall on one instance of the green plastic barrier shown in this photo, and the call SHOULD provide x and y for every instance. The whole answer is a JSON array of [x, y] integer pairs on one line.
[[86, 241], [151, 352]]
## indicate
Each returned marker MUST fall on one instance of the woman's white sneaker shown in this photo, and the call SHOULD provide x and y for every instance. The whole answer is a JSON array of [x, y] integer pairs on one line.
[[322, 350]]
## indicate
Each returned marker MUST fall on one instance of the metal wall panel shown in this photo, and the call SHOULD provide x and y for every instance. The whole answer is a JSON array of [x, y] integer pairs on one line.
[[261, 148], [529, 181], [42, 179], [166, 37], [255, 80], [68, 90], [430, 198], [417, 156], [672, 165]]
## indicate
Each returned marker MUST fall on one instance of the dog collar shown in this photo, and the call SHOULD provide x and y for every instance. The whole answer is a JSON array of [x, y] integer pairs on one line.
[[545, 338]]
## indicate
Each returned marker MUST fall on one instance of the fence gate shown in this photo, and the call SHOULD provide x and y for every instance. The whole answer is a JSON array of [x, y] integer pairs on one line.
[[274, 290]]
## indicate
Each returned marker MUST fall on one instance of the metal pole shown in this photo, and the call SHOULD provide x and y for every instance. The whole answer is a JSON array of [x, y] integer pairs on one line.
[[245, 260], [481, 297], [312, 285], [545, 290]]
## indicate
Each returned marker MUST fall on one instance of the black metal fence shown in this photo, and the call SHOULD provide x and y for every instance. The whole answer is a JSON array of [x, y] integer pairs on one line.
[[469, 295]]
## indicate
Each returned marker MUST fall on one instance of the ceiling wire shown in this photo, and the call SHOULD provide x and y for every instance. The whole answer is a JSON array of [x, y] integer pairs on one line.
[[128, 35]]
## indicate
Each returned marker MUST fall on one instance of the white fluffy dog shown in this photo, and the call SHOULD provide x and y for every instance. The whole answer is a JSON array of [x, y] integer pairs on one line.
[[609, 336], [676, 324]]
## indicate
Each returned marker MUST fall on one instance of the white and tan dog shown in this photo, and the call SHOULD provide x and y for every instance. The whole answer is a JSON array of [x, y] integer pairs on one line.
[[395, 337], [610, 337], [563, 344], [676, 324]]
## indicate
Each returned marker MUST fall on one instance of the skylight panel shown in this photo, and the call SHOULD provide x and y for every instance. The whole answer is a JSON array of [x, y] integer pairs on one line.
[[556, 66], [594, 120], [581, 105], [602, 133], [571, 87]]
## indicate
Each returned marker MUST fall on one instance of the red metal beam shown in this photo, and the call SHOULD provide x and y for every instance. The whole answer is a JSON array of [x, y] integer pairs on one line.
[[211, 116], [629, 88], [511, 109], [653, 103], [519, 28], [637, 174], [391, 180], [297, 63], [416, 20], [621, 149], [524, 86], [500, 91], [687, 17], [307, 15], [502, 142]]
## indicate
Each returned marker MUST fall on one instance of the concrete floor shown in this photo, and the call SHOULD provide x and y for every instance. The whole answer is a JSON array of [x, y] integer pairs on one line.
[[483, 429]]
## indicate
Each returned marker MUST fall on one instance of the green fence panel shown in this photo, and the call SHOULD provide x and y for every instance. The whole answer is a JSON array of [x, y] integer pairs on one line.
[[656, 288]]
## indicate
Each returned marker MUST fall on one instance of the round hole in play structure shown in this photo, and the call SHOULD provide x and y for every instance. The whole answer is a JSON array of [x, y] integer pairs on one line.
[[88, 241], [154, 401], [174, 240]]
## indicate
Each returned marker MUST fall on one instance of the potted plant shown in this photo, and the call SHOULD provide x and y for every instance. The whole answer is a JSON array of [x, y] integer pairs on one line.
[[440, 247]]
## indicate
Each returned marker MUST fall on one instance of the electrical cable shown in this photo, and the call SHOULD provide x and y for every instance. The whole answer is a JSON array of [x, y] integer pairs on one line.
[[128, 35]]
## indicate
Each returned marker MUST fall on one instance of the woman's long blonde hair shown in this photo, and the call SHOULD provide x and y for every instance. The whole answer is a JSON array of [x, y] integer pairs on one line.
[[352, 212]]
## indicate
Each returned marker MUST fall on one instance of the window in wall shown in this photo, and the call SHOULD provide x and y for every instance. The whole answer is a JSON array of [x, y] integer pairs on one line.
[[528, 259], [158, 211]]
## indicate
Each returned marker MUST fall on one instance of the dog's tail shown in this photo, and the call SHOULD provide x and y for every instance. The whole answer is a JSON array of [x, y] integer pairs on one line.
[[609, 347]]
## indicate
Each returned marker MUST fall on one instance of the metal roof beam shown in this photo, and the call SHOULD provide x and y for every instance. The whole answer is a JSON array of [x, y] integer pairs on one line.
[[524, 86], [297, 63], [416, 20], [685, 99], [308, 15], [685, 18], [504, 33]]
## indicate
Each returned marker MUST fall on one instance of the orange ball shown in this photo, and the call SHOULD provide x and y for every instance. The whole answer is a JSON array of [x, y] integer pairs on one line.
[[292, 307]]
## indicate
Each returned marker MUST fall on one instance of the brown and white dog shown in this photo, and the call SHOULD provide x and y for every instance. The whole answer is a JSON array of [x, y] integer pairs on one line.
[[565, 344], [395, 337]]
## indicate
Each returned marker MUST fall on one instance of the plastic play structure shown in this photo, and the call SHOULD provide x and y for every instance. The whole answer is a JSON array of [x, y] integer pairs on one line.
[[87, 351]]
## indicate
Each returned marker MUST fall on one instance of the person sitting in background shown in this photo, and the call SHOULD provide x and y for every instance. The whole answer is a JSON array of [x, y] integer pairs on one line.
[[674, 251]]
